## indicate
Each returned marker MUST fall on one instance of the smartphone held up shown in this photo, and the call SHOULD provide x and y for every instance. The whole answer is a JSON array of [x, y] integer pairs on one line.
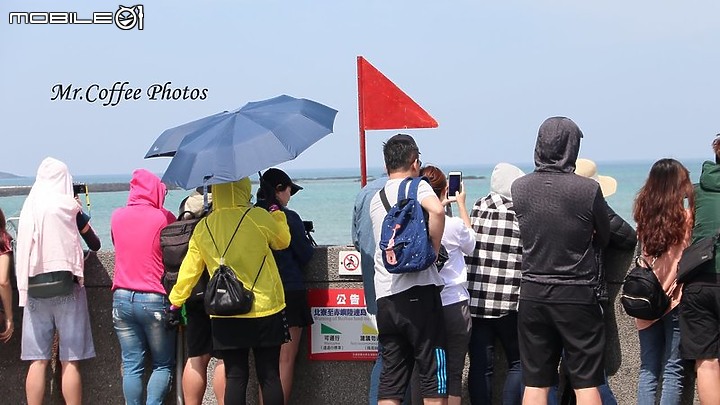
[[454, 184]]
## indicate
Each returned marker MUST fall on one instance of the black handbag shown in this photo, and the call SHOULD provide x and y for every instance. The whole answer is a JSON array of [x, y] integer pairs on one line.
[[225, 294], [701, 251], [642, 294]]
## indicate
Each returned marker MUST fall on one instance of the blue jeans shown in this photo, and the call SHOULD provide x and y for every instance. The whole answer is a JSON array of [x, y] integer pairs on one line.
[[660, 357], [139, 320], [482, 355]]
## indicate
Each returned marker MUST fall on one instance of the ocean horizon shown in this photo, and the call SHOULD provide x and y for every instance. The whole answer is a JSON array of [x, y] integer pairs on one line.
[[329, 194]]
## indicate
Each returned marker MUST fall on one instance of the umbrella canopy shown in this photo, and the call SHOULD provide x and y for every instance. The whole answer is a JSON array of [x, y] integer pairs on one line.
[[231, 145]]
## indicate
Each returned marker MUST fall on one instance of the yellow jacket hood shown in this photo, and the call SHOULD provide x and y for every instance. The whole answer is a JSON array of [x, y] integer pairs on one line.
[[229, 195]]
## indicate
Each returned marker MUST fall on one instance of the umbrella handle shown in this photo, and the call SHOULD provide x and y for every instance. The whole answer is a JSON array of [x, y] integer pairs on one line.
[[179, 365]]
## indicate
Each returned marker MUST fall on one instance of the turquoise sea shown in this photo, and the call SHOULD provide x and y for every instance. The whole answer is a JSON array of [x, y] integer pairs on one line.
[[329, 194]]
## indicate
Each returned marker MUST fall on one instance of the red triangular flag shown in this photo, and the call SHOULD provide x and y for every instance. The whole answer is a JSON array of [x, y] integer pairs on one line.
[[383, 105]]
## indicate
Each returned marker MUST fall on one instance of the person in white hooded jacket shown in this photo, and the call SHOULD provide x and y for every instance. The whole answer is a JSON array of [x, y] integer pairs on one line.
[[49, 254], [494, 285]]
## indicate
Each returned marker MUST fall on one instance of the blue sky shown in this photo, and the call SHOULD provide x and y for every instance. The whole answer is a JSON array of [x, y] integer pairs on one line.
[[640, 78]]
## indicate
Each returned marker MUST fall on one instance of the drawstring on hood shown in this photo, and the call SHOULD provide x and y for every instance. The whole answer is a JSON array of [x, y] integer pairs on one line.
[[557, 146]]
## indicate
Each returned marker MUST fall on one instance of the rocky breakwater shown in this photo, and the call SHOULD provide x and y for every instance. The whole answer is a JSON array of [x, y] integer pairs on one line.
[[6, 191]]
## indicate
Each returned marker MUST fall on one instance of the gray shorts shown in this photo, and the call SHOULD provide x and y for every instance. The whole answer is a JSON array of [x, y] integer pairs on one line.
[[457, 335], [69, 316]]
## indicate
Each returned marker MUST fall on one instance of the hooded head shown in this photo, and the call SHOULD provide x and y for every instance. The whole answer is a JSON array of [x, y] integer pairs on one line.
[[557, 146], [146, 189], [234, 194], [503, 176], [53, 176]]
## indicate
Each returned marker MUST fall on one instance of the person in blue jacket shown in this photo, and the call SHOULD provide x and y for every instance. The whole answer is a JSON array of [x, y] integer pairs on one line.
[[276, 188]]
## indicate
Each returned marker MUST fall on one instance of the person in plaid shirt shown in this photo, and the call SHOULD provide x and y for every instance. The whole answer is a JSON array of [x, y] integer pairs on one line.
[[494, 286]]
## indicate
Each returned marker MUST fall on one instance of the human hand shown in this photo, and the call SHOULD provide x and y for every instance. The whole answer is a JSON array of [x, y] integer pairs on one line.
[[172, 317], [8, 332], [461, 196]]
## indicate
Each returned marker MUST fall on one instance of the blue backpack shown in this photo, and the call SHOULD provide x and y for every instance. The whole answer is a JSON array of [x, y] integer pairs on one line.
[[404, 238]]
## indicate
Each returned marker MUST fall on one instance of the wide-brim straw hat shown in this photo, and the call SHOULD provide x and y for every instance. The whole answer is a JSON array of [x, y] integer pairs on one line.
[[588, 168]]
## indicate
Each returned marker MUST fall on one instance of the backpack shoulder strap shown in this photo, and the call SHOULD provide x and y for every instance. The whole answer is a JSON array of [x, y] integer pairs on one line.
[[383, 198], [412, 192], [401, 190], [222, 257]]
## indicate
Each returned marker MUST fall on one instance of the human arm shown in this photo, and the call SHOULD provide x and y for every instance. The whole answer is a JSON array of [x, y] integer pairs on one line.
[[466, 238], [87, 232], [622, 234], [300, 245], [279, 232], [436, 216], [461, 198], [6, 295], [601, 221], [356, 231]]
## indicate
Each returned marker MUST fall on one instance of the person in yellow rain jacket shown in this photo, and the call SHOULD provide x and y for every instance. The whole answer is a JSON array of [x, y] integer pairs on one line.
[[263, 329]]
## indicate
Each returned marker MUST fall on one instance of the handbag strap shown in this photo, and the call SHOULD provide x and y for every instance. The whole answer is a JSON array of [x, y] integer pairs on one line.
[[258, 273], [222, 256], [640, 261], [383, 198]]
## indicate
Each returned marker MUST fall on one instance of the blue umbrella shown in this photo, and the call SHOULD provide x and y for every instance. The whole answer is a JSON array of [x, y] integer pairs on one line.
[[231, 145], [167, 143]]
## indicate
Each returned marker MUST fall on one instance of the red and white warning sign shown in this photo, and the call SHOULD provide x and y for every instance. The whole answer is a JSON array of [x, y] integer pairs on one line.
[[349, 263]]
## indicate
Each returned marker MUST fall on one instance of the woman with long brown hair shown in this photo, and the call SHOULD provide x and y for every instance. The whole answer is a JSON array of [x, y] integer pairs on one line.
[[663, 211]]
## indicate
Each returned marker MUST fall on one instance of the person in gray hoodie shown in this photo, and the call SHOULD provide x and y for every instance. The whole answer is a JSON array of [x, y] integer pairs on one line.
[[563, 219]]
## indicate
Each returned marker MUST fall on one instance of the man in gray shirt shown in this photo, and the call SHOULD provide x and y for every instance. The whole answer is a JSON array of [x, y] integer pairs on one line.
[[409, 309]]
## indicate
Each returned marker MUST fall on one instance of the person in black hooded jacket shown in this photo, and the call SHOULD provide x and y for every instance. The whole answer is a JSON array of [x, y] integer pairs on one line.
[[563, 219], [276, 187], [622, 237]]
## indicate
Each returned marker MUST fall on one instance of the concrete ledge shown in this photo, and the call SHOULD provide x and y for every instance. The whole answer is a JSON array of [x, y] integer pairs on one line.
[[316, 382]]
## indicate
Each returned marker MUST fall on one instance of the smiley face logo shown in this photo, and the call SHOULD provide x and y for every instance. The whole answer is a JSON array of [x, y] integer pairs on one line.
[[127, 18]]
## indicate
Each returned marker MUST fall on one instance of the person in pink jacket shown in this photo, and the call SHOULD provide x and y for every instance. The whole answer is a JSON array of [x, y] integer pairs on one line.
[[664, 226], [139, 298]]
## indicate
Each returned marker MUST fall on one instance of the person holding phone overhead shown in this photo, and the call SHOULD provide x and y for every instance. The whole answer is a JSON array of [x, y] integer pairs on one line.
[[50, 271], [458, 239]]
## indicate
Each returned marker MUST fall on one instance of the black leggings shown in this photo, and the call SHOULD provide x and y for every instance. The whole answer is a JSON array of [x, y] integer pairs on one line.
[[267, 367]]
